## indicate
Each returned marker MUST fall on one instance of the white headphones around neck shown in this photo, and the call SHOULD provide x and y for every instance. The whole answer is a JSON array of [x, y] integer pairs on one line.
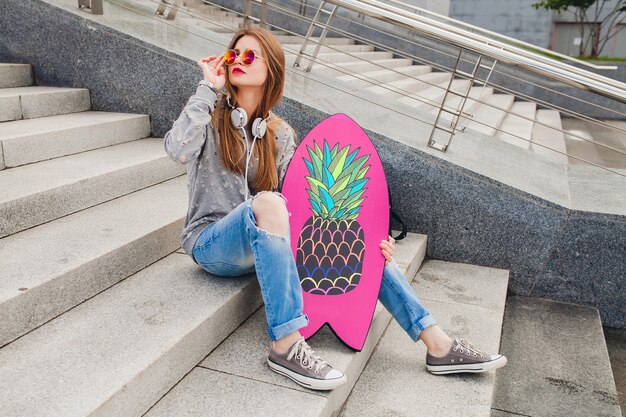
[[239, 118]]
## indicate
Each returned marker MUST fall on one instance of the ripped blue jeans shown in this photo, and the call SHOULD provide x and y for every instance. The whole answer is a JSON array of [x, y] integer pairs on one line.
[[235, 245]]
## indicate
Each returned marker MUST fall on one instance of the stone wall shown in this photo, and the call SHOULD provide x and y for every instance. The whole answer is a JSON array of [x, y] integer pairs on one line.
[[514, 18]]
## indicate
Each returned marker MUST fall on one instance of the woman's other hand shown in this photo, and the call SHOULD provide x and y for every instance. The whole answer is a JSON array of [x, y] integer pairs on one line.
[[213, 70], [388, 247]]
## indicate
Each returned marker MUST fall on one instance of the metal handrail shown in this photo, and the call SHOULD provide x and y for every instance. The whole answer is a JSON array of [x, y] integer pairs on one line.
[[504, 45], [419, 119], [407, 55], [509, 54], [507, 43], [507, 39], [517, 57], [418, 59], [528, 60]]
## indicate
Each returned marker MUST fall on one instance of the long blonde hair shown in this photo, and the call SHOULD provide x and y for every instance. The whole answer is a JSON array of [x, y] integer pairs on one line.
[[231, 148]]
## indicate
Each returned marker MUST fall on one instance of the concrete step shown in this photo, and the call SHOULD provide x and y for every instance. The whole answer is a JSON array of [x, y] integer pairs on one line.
[[84, 254], [471, 103], [467, 301], [378, 76], [15, 75], [616, 345], [119, 352], [219, 16], [591, 149], [37, 193], [223, 27], [31, 102], [27, 141], [558, 362], [607, 135], [275, 32], [488, 117], [294, 48], [209, 7], [547, 138], [225, 384], [401, 88], [211, 12], [432, 96], [520, 126], [339, 57], [334, 70], [475, 94], [297, 40]]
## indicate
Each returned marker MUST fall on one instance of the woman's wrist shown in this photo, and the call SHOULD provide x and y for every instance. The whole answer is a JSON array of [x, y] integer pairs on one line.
[[211, 86]]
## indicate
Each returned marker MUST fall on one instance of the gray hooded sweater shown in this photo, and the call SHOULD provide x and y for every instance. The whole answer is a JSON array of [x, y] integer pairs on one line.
[[214, 190]]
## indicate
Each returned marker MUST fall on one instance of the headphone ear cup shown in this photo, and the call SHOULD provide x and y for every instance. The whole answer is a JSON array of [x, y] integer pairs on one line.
[[259, 127], [238, 117]]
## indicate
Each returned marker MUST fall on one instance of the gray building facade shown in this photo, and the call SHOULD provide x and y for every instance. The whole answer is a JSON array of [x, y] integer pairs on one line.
[[518, 19]]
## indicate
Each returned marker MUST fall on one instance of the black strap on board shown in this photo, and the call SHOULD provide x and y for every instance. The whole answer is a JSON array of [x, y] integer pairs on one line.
[[393, 215]]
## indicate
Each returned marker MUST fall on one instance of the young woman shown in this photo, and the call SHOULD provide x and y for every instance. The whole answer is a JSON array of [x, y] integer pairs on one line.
[[236, 152]]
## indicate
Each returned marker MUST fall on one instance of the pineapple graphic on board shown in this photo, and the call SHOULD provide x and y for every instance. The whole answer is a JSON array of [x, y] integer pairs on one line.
[[331, 244]]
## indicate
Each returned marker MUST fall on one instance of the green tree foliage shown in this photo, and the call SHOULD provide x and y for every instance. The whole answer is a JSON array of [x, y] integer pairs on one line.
[[604, 24]]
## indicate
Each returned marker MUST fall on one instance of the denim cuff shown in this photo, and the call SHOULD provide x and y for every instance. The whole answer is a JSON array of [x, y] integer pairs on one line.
[[285, 329], [420, 326]]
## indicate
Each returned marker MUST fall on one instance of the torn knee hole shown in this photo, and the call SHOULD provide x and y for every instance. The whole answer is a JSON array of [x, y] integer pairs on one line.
[[272, 234]]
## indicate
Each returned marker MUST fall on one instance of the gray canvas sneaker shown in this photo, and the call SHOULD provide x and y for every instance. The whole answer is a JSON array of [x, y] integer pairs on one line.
[[304, 366], [463, 357]]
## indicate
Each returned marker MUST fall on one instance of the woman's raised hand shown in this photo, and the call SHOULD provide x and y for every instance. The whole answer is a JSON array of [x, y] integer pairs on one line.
[[213, 70]]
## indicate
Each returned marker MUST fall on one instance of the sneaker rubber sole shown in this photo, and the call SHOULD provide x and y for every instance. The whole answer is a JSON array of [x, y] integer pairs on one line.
[[305, 381], [467, 367]]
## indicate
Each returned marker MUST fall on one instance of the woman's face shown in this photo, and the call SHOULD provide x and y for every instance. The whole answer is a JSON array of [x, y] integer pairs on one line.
[[253, 75]]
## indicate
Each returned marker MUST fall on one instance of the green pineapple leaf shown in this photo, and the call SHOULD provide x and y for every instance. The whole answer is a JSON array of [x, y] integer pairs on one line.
[[315, 184], [327, 200], [355, 204], [353, 197], [336, 167], [362, 172], [318, 152], [329, 180], [339, 186], [337, 180], [314, 198], [341, 194], [327, 156], [333, 152], [352, 170], [333, 213], [352, 156], [358, 184], [316, 161]]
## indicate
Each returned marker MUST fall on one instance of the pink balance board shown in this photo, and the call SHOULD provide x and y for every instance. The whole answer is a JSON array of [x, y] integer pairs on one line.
[[337, 195]]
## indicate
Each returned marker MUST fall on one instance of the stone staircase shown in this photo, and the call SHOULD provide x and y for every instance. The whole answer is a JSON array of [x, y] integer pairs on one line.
[[100, 311], [114, 319]]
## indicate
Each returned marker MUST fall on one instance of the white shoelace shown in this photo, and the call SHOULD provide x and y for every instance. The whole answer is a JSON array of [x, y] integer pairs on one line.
[[307, 356], [468, 347]]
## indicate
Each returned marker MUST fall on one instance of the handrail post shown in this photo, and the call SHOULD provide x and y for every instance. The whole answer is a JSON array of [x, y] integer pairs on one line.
[[164, 6], [93, 6], [264, 10], [457, 112], [315, 23], [302, 9], [247, 14]]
